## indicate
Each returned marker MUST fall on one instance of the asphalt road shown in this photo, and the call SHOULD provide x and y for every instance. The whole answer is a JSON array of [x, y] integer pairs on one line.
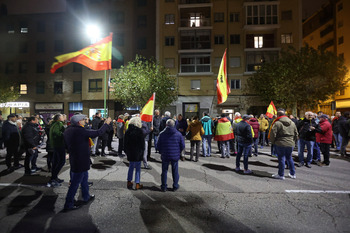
[[212, 198]]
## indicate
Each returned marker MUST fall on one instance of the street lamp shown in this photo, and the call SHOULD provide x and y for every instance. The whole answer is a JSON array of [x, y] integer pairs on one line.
[[93, 32]]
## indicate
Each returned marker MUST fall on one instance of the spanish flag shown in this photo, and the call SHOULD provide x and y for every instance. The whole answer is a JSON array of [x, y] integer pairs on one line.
[[271, 110], [147, 111], [97, 56], [222, 87]]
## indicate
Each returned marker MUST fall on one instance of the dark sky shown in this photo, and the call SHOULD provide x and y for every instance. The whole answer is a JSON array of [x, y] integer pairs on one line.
[[311, 6]]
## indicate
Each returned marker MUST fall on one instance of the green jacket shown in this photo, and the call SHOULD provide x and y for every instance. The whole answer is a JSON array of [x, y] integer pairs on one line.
[[56, 134], [284, 133]]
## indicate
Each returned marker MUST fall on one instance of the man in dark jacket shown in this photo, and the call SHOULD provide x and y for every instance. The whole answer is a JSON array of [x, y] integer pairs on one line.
[[181, 125], [12, 139], [167, 116], [344, 129], [31, 139], [154, 133], [170, 144], [120, 134], [76, 139], [146, 129], [244, 139], [95, 123], [336, 131]]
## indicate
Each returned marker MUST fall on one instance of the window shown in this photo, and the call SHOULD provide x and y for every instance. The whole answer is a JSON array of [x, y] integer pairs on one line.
[[218, 17], [9, 68], [195, 84], [23, 67], [262, 14], [58, 88], [24, 27], [95, 85], [340, 40], [23, 89], [287, 15], [59, 26], [217, 61], [40, 46], [169, 62], [40, 67], [195, 39], [119, 39], [117, 17], [219, 39], [258, 42], [235, 61], [342, 92], [255, 59], [193, 63], [141, 21], [77, 67], [23, 47], [286, 38], [234, 17], [117, 60], [340, 6], [58, 46], [195, 19], [40, 87], [75, 106], [169, 19], [77, 87], [10, 28], [235, 39], [235, 84], [169, 41], [142, 43], [141, 2], [41, 26]]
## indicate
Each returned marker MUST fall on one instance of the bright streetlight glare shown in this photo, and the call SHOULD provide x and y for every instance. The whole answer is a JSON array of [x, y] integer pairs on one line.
[[93, 32]]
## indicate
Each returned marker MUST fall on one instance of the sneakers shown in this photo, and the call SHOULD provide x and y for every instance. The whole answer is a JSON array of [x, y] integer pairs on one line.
[[299, 164], [52, 184], [237, 169], [129, 185], [59, 180], [148, 167], [292, 176], [138, 186], [248, 171], [276, 176], [308, 165]]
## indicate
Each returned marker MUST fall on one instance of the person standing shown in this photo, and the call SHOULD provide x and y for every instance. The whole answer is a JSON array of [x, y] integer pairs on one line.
[[336, 131], [283, 136], [197, 131], [1, 138], [146, 129], [244, 139], [223, 135], [156, 126], [94, 125], [206, 138], [31, 140], [255, 126], [76, 139], [344, 129], [120, 134], [170, 146], [181, 125], [167, 116], [324, 138], [134, 147], [263, 126]]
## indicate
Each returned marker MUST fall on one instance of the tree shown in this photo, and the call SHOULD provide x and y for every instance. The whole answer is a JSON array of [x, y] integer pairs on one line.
[[300, 79], [135, 83], [8, 90]]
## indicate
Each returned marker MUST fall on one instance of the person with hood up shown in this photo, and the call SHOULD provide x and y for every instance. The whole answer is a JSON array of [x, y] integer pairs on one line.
[[206, 138], [223, 134], [197, 131]]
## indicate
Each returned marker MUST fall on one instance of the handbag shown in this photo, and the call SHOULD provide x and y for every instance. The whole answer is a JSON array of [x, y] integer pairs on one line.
[[188, 135]]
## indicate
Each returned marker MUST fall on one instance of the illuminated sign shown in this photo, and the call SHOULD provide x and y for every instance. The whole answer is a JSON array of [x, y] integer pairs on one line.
[[15, 105]]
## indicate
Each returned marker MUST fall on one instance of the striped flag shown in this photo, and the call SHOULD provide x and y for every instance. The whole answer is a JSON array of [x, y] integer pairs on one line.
[[222, 87], [271, 110], [147, 111]]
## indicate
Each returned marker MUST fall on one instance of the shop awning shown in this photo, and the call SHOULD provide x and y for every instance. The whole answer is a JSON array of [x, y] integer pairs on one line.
[[342, 103]]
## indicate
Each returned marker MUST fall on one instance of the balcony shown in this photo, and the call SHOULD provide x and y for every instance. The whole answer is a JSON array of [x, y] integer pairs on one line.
[[255, 59], [260, 41], [195, 39], [195, 17], [194, 1]]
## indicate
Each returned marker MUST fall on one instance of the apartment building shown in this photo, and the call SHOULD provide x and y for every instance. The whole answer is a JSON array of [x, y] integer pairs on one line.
[[192, 36]]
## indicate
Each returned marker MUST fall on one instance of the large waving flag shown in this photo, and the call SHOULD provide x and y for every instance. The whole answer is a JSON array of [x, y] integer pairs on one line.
[[271, 110], [97, 56], [147, 111], [222, 87]]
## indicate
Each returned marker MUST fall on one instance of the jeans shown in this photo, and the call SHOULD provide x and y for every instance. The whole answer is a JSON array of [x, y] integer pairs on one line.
[[155, 138], [245, 150], [183, 152], [273, 150], [262, 138], [120, 146], [344, 144], [197, 144], [256, 143], [12, 151], [145, 152], [77, 178], [285, 155], [338, 140], [206, 145], [175, 173], [137, 166], [58, 161], [310, 148], [31, 156], [325, 151], [225, 148], [316, 152]]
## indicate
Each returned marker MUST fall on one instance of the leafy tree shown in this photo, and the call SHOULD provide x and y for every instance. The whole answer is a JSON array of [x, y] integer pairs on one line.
[[8, 90], [300, 79], [135, 83]]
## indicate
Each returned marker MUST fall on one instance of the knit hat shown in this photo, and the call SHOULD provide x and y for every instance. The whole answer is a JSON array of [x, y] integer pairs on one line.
[[76, 118], [323, 116]]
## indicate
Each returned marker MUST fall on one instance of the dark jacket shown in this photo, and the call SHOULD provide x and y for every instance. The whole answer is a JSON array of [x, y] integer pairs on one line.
[[96, 123], [104, 136], [76, 139], [335, 125], [31, 137], [11, 135], [134, 143], [47, 132], [156, 124], [146, 129], [304, 129], [163, 123], [255, 125], [343, 127], [243, 133], [181, 125], [170, 144], [56, 134], [120, 128]]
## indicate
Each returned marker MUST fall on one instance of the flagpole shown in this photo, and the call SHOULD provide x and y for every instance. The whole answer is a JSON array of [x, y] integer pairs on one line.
[[105, 96], [154, 100]]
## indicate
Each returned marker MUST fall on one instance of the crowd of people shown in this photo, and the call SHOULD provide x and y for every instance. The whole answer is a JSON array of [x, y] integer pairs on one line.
[[241, 136]]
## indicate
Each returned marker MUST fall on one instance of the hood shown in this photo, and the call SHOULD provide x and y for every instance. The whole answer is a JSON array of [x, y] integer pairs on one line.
[[205, 119], [285, 121], [253, 120], [195, 123]]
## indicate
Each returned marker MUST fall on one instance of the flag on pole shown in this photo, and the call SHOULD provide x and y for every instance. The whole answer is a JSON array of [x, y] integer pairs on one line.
[[97, 56], [271, 110], [147, 111], [222, 87]]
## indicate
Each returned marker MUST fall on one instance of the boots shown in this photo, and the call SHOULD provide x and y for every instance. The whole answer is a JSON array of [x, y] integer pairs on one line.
[[138, 186], [130, 184]]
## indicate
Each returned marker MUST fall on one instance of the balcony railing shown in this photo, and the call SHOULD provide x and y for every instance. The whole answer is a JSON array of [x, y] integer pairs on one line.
[[193, 1]]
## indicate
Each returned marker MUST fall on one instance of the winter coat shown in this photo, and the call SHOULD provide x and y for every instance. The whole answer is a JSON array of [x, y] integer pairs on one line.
[[181, 125], [343, 127], [146, 129], [31, 137], [11, 135], [163, 123], [134, 143], [120, 128], [207, 125], [255, 126], [156, 124], [56, 134], [104, 136], [196, 130], [76, 139], [325, 133], [284, 133], [96, 123], [243, 132], [304, 129], [170, 144], [47, 131], [335, 125], [263, 124], [223, 130]]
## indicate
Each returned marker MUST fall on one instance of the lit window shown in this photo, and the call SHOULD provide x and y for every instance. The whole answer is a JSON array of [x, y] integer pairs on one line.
[[24, 30], [23, 89], [258, 42], [195, 84], [195, 20], [169, 19], [286, 38]]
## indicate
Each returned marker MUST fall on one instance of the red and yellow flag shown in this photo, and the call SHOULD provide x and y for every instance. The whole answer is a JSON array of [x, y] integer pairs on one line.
[[97, 56], [271, 110], [147, 111], [222, 87]]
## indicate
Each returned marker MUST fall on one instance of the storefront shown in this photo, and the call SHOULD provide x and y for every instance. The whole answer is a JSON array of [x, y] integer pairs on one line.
[[19, 108], [48, 110]]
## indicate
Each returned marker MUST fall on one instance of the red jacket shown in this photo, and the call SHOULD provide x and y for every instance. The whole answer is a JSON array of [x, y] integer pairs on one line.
[[255, 125], [325, 136]]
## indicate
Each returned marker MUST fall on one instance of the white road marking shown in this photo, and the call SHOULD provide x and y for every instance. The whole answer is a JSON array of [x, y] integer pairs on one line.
[[318, 191]]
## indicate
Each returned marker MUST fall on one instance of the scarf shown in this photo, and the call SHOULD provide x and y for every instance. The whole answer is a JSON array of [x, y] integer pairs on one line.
[[273, 124]]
